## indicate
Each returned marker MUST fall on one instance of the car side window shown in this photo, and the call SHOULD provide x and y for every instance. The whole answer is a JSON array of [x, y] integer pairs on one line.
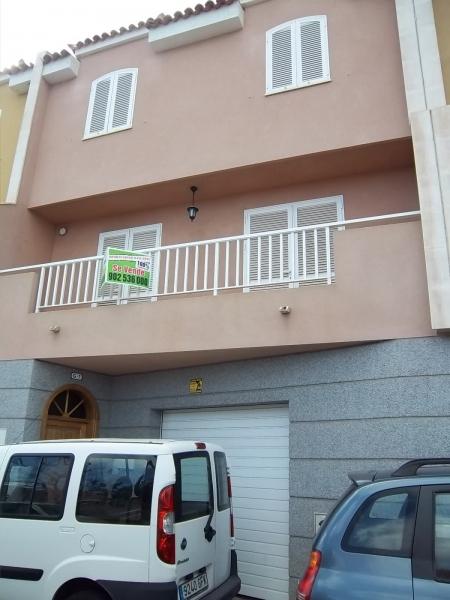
[[193, 488], [35, 487], [116, 489], [223, 500], [384, 524], [442, 536]]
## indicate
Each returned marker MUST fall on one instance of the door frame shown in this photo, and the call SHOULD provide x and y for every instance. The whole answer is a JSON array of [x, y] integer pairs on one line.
[[91, 405]]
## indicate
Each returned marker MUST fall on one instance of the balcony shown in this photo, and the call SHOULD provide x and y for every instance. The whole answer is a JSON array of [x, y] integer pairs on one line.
[[345, 282]]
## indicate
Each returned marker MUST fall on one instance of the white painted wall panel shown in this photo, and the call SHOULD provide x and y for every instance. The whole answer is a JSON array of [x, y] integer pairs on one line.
[[256, 441]]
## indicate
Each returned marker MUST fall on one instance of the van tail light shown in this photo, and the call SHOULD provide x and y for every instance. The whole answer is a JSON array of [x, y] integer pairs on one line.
[[306, 584], [230, 496], [165, 538]]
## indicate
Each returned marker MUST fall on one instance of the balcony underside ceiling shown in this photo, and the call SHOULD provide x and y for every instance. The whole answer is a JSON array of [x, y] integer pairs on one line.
[[394, 154], [143, 363]]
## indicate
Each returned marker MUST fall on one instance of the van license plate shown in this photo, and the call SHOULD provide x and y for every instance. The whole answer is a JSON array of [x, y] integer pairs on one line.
[[191, 588]]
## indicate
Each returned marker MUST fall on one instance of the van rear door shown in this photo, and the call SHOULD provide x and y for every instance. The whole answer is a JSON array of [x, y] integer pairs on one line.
[[195, 524]]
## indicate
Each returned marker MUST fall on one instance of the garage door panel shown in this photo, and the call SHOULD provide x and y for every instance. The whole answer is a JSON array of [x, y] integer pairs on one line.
[[260, 536], [256, 547], [237, 423], [260, 474], [256, 440], [265, 560], [263, 526], [261, 515], [258, 483], [261, 504], [260, 493], [263, 570]]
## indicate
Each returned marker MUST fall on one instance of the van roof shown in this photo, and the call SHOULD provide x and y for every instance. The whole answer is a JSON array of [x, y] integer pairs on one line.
[[101, 441]]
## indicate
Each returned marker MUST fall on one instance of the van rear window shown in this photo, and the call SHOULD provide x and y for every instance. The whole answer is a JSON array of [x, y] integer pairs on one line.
[[116, 489], [35, 486], [193, 488]]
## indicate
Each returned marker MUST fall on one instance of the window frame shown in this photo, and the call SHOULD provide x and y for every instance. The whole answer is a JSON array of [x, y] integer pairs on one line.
[[123, 456], [113, 76], [225, 505], [296, 55], [408, 535], [42, 456], [177, 458], [292, 244]]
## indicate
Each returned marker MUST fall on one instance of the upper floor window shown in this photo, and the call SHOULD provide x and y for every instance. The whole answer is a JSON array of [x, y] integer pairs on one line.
[[111, 103], [297, 54]]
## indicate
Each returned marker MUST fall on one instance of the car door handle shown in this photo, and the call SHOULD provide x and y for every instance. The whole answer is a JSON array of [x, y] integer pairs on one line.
[[210, 532]]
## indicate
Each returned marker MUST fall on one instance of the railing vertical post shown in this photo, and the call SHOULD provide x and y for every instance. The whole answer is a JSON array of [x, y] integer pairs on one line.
[[216, 268], [305, 269], [55, 285], [186, 268], [270, 258], [206, 266], [63, 286], [227, 262], [40, 288], [175, 277], [47, 290], [238, 261], [166, 274], [80, 277], [259, 259], [196, 268], [328, 252], [281, 258], [316, 255], [86, 284]]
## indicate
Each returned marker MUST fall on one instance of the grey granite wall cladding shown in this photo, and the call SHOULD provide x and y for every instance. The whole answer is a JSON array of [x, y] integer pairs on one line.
[[350, 409]]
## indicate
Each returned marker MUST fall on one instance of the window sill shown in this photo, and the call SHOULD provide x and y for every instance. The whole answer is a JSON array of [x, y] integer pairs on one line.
[[102, 133], [297, 87]]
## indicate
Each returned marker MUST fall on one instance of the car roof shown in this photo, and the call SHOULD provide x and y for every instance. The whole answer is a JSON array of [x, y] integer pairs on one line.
[[419, 467]]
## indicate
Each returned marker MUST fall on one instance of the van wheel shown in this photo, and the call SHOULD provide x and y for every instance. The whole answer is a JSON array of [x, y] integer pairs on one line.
[[86, 595]]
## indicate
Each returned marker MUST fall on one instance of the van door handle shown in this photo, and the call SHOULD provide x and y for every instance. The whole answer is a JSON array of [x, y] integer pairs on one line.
[[210, 532]]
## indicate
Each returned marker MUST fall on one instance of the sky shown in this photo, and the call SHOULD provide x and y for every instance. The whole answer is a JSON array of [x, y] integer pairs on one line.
[[30, 26]]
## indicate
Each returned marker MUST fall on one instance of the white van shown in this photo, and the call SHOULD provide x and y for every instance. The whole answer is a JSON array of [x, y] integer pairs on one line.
[[116, 520]]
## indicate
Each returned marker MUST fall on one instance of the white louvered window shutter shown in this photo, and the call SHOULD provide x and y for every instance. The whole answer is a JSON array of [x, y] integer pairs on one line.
[[111, 103], [312, 260], [312, 50], [297, 54], [143, 239], [106, 292], [268, 260], [281, 64], [99, 103], [121, 113]]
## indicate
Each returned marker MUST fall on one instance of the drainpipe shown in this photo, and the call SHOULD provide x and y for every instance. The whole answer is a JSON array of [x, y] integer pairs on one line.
[[25, 131]]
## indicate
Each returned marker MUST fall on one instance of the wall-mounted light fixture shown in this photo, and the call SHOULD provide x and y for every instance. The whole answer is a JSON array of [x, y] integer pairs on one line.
[[192, 210], [62, 230]]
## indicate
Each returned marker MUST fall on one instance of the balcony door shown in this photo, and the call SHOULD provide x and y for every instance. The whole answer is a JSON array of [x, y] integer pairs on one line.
[[291, 259], [138, 239]]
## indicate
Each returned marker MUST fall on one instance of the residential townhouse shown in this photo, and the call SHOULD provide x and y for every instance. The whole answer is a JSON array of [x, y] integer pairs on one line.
[[301, 318]]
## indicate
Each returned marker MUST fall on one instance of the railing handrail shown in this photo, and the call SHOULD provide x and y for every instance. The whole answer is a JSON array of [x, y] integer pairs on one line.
[[245, 236]]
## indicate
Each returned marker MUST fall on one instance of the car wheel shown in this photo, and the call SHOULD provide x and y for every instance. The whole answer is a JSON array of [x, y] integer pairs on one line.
[[87, 595]]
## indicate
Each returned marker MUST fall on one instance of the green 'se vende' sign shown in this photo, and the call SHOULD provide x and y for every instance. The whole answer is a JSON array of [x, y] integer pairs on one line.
[[124, 267]]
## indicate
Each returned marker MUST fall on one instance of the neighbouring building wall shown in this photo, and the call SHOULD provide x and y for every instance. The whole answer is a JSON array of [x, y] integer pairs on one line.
[[11, 110], [442, 20]]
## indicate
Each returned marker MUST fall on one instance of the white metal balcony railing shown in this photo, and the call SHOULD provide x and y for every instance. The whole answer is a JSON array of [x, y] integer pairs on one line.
[[285, 258]]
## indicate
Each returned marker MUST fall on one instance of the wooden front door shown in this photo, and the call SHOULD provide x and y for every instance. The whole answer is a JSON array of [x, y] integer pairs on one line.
[[70, 414]]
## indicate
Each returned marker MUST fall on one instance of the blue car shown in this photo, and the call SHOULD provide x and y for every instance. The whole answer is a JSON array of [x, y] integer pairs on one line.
[[388, 538]]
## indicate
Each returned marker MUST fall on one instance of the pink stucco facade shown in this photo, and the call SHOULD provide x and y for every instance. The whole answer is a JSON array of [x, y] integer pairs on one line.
[[202, 117]]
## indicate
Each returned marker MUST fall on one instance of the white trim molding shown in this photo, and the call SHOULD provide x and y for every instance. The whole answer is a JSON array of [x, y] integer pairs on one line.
[[204, 26], [430, 126], [422, 70]]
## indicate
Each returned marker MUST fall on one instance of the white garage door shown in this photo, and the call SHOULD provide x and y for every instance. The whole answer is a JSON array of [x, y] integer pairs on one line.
[[256, 441]]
